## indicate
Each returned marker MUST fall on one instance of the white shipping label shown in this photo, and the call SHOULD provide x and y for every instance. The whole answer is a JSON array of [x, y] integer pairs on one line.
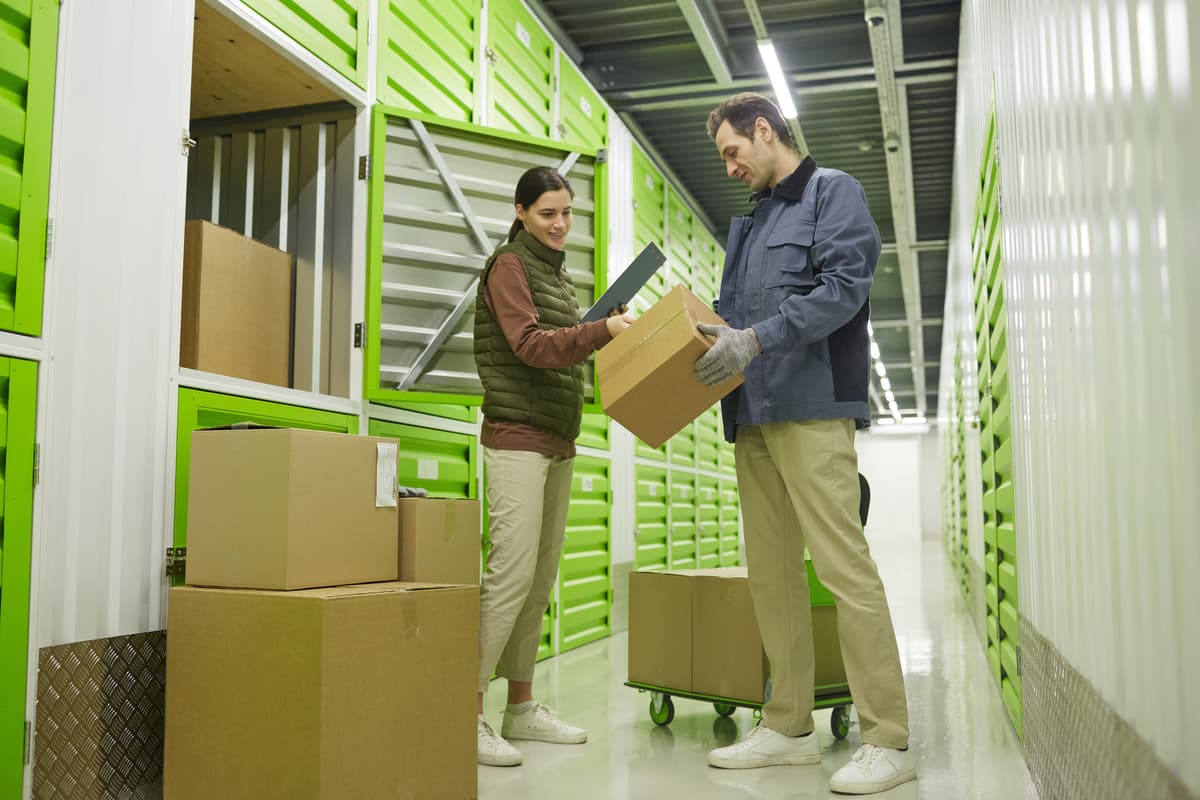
[[587, 484], [427, 469], [386, 454], [653, 489], [523, 35], [586, 106]]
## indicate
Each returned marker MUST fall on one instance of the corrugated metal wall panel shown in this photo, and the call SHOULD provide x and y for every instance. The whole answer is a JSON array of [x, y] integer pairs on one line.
[[440, 462], [584, 580], [28, 42], [335, 31], [683, 519], [650, 531], [520, 55], [430, 258], [583, 113], [429, 56], [1097, 113], [18, 409]]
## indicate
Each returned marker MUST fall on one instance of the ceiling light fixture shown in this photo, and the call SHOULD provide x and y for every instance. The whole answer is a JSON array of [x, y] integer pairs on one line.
[[783, 95]]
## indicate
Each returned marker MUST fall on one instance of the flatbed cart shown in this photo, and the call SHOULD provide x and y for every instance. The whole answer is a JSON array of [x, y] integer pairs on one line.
[[662, 708]]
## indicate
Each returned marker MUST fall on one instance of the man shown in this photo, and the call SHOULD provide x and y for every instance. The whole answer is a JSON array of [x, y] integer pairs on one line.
[[797, 275]]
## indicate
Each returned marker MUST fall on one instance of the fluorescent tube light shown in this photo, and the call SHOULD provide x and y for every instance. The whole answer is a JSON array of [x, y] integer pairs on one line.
[[783, 95]]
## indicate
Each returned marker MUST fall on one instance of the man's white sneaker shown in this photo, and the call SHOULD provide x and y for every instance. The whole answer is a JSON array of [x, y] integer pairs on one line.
[[537, 722], [767, 748], [874, 769], [494, 751]]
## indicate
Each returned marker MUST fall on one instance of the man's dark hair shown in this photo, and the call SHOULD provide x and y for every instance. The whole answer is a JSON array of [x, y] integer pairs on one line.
[[741, 110]]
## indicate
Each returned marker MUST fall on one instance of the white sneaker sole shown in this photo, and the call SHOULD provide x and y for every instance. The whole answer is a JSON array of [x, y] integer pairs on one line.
[[872, 788], [764, 761], [492, 760], [552, 737]]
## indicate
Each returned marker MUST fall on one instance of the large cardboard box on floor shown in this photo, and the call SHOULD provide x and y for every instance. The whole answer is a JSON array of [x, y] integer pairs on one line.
[[646, 373], [277, 508], [695, 631], [237, 305], [439, 540], [322, 694]]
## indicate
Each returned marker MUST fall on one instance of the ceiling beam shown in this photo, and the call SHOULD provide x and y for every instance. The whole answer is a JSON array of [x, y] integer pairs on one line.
[[926, 246], [550, 23], [879, 324], [709, 36], [760, 33]]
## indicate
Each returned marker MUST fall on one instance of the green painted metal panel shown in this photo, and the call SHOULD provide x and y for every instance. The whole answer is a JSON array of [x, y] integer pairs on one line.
[[440, 462], [1004, 457], [683, 520], [1004, 498], [993, 630], [993, 657], [1007, 574], [818, 594], [730, 557], [1009, 622], [650, 531], [995, 304], [460, 412], [990, 563], [998, 343], [429, 54], [546, 642], [584, 580], [708, 520], [727, 460], [989, 535], [593, 432], [18, 409], [1006, 536], [583, 113], [1000, 383], [992, 592], [199, 409], [683, 446], [708, 440], [521, 70], [1011, 695], [335, 31], [28, 46], [1008, 658]]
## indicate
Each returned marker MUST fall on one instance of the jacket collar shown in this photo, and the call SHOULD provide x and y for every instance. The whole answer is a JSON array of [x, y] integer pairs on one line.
[[792, 187], [552, 257]]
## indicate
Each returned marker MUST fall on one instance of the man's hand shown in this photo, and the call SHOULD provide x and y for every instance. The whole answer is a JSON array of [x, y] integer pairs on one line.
[[734, 350]]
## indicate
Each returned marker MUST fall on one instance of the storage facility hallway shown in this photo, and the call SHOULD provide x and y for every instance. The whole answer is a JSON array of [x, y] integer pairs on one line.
[[968, 749], [460, 399]]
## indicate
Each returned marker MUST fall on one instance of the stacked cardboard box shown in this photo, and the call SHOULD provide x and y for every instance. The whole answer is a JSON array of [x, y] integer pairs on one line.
[[695, 631], [297, 666]]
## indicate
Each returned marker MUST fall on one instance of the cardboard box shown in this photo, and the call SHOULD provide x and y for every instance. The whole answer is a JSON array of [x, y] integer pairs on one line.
[[237, 305], [646, 374], [322, 694], [440, 540], [660, 629], [695, 631], [276, 508]]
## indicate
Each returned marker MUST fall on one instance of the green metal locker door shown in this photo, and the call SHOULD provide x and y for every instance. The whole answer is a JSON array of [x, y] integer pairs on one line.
[[440, 462], [520, 58], [209, 410], [593, 432], [584, 580], [28, 45], [708, 520], [680, 258], [650, 533], [440, 200], [708, 440], [429, 53], [335, 31], [731, 555], [18, 409], [582, 112], [682, 446], [683, 520], [649, 216]]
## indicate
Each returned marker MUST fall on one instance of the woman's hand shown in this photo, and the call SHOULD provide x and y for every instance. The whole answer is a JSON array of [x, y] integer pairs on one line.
[[618, 321]]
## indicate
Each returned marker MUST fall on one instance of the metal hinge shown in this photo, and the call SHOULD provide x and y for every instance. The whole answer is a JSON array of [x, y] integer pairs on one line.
[[187, 143], [602, 155], [37, 464], [358, 334], [176, 561], [49, 238], [28, 755], [491, 56], [364, 167], [562, 131]]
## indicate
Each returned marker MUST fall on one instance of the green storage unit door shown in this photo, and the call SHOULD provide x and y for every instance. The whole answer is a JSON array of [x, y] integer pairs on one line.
[[727, 461], [679, 238], [520, 58], [584, 581], [18, 409], [649, 216], [429, 54], [708, 520], [683, 520], [583, 114], [335, 31], [199, 409], [708, 440], [28, 44], [650, 530], [682, 446], [424, 254], [730, 546], [593, 432], [440, 462]]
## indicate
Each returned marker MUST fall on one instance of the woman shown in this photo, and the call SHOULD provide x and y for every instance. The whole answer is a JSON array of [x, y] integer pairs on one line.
[[529, 350]]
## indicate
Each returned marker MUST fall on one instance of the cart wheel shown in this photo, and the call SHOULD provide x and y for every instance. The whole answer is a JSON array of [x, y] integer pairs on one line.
[[662, 710], [839, 721], [724, 709]]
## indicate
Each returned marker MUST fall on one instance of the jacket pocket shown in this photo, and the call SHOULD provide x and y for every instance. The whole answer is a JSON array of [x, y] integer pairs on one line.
[[788, 256]]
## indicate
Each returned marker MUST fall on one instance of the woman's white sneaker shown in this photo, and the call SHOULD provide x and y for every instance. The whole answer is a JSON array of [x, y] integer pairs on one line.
[[535, 721], [767, 748], [493, 750], [874, 769]]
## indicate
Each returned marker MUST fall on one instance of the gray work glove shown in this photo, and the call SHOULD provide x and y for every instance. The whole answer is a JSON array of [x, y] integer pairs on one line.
[[729, 356]]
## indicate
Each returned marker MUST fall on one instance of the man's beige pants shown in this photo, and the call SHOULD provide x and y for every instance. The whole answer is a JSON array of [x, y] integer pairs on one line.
[[528, 495], [798, 483]]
